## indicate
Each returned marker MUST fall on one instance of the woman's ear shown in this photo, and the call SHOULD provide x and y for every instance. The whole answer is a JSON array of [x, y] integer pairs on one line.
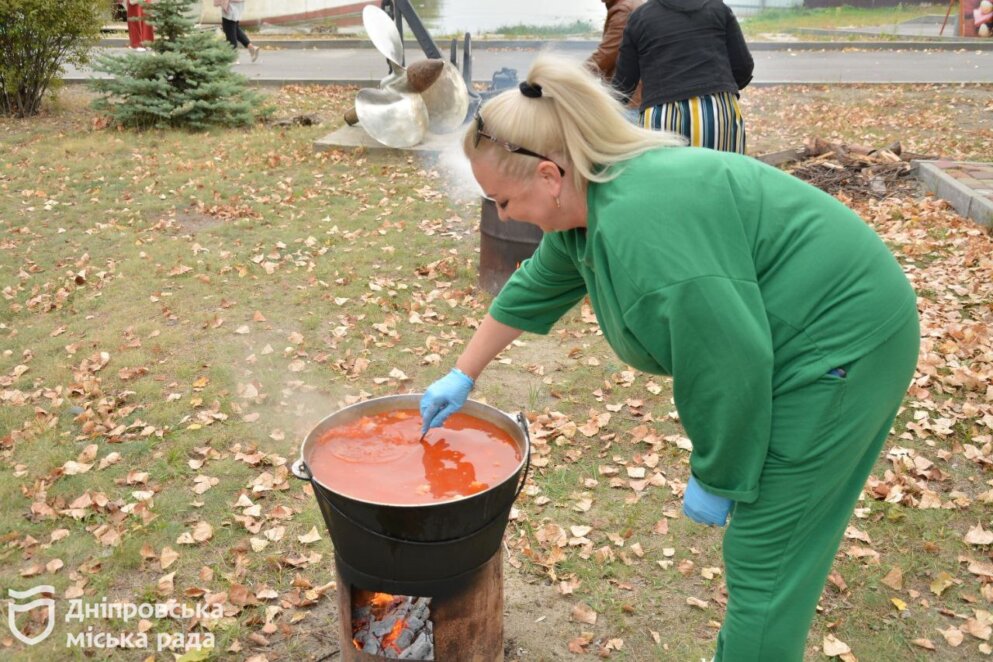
[[549, 175]]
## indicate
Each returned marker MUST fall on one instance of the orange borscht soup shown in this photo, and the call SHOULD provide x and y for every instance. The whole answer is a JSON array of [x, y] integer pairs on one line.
[[378, 458]]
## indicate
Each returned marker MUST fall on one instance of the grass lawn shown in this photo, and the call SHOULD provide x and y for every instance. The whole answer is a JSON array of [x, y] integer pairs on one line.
[[179, 310], [764, 23], [773, 21]]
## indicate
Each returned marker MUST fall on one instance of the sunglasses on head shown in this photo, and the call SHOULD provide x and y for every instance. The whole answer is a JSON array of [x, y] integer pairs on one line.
[[509, 146]]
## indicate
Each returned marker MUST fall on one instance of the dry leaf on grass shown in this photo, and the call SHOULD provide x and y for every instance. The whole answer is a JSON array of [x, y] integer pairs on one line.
[[310, 537], [167, 557], [583, 613], [894, 579], [202, 532], [953, 636], [166, 585], [834, 647], [579, 644], [979, 627], [977, 535], [275, 534], [941, 582]]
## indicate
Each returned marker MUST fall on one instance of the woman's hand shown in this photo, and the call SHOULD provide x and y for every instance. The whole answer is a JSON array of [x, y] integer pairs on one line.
[[448, 394], [703, 507], [444, 398]]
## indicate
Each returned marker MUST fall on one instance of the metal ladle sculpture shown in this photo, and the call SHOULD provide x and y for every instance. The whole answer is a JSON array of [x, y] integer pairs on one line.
[[429, 95]]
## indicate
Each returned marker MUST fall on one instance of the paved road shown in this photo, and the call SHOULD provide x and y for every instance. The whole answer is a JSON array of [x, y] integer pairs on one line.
[[365, 66]]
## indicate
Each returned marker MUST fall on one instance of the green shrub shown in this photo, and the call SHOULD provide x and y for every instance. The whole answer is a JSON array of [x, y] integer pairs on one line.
[[185, 81], [37, 38]]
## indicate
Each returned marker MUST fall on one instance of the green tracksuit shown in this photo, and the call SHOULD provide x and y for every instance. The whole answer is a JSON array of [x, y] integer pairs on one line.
[[747, 286]]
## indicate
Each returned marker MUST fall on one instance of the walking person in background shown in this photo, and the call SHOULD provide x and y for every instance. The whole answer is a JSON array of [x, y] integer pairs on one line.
[[604, 59], [231, 12], [139, 31], [692, 61], [788, 327]]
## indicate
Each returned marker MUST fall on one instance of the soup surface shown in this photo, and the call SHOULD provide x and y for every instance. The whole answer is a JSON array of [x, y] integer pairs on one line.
[[378, 458]]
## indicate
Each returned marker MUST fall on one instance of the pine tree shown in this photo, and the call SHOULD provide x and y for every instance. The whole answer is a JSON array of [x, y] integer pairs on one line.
[[185, 81]]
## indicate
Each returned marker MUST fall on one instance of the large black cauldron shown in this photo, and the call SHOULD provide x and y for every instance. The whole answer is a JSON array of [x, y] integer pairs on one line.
[[423, 549]]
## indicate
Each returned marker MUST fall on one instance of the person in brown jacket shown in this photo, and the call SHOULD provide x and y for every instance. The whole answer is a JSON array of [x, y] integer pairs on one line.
[[604, 58]]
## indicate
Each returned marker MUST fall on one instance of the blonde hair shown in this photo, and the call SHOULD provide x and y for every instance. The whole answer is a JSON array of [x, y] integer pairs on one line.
[[577, 121]]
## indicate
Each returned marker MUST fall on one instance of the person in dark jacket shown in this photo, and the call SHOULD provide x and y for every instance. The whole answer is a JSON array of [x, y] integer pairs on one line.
[[692, 61], [604, 59]]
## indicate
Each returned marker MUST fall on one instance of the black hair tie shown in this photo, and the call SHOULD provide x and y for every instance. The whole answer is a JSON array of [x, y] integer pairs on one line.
[[531, 91]]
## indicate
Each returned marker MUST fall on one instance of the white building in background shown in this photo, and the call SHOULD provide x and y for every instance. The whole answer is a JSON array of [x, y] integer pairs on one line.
[[472, 11], [286, 11]]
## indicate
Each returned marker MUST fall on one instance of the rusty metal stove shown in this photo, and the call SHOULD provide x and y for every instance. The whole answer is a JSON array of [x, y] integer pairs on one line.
[[464, 623]]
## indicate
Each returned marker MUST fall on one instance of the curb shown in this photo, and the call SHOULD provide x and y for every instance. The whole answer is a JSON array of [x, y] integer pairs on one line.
[[943, 45], [965, 200], [567, 44]]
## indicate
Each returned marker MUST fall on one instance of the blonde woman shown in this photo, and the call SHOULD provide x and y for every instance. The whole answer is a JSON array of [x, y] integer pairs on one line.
[[788, 327]]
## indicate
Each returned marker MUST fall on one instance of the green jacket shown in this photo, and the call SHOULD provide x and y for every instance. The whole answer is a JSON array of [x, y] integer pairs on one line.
[[737, 279]]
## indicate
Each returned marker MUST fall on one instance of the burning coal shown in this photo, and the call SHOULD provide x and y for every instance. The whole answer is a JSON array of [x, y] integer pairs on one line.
[[395, 627]]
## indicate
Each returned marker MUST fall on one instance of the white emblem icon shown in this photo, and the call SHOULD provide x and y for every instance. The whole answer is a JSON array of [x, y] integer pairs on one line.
[[15, 609]]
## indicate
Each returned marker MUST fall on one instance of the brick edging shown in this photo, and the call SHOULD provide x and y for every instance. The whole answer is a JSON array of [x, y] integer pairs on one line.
[[966, 201]]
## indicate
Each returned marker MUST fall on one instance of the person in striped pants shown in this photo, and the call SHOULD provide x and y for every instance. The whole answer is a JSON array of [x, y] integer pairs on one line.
[[692, 61]]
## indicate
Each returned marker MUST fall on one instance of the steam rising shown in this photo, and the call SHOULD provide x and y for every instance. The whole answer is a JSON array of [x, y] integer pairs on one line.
[[453, 167]]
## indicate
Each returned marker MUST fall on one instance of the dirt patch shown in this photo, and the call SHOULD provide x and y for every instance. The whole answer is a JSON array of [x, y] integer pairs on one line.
[[536, 626], [513, 386], [192, 221], [315, 638]]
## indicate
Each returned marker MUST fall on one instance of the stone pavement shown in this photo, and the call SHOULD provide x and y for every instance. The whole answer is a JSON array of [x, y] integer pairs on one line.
[[966, 185]]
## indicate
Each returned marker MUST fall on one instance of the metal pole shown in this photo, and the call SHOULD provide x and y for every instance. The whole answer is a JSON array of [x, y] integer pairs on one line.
[[467, 62], [417, 27]]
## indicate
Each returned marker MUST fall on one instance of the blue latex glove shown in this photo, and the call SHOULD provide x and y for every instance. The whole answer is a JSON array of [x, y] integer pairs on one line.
[[703, 507], [443, 398]]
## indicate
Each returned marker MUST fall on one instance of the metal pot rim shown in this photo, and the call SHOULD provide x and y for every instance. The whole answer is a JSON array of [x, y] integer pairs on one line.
[[480, 410]]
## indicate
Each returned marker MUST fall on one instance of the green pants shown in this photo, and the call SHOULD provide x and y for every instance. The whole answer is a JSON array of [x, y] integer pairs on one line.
[[778, 551]]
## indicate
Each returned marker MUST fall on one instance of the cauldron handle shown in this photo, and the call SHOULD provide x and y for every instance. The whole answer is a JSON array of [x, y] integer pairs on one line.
[[301, 470], [523, 422]]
